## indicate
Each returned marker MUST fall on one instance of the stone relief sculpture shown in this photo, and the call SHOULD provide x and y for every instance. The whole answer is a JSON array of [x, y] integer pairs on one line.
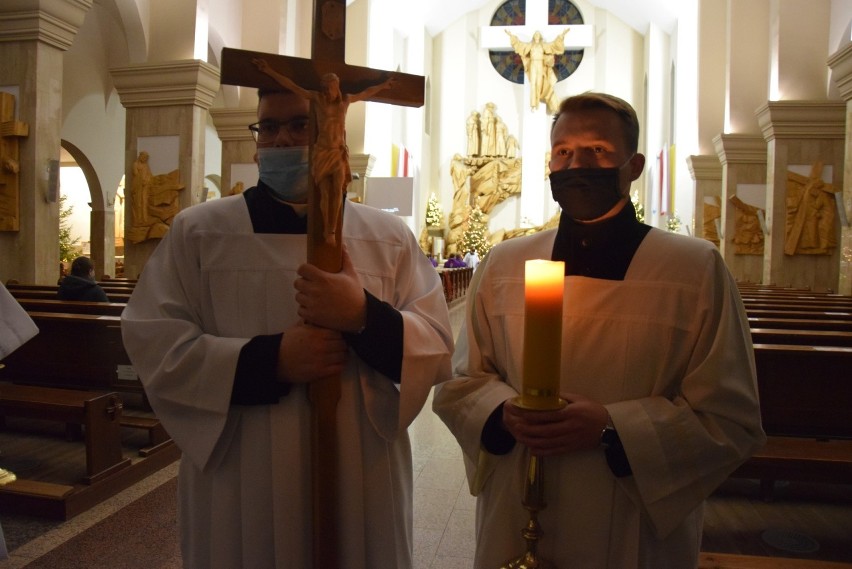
[[140, 187], [473, 134], [811, 214], [488, 175], [238, 188], [10, 131], [154, 199], [712, 215], [495, 181], [538, 59], [748, 233], [488, 129]]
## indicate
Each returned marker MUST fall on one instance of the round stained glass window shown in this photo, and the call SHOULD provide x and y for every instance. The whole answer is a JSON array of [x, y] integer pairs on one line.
[[513, 13]]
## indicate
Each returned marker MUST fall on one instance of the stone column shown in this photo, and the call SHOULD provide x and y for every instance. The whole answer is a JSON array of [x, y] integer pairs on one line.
[[238, 146], [33, 36], [362, 166], [165, 99], [706, 172], [743, 159], [841, 68], [799, 133]]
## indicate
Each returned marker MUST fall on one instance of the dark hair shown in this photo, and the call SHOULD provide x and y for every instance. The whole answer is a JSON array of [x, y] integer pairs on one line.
[[263, 91], [81, 267], [606, 102]]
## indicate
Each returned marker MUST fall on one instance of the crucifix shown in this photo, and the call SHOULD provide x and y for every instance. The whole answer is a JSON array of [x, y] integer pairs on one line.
[[315, 78], [535, 125]]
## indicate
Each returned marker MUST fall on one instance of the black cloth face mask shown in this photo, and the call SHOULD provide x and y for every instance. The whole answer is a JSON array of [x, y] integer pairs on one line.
[[586, 193]]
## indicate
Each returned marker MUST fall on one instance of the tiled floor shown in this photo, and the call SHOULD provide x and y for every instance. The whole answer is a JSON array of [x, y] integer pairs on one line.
[[443, 507]]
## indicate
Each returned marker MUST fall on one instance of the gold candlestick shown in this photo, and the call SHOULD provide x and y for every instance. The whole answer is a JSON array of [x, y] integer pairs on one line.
[[543, 294], [534, 503]]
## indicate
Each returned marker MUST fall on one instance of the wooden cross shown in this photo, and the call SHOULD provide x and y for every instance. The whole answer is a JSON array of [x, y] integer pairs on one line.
[[240, 67]]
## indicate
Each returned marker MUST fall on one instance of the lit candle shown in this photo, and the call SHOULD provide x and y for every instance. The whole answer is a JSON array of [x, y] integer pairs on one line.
[[543, 290]]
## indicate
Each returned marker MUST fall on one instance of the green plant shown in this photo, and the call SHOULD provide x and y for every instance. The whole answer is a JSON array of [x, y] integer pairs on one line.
[[68, 247]]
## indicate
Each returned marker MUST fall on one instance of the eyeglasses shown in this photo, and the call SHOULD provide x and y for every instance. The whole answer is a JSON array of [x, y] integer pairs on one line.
[[267, 130]]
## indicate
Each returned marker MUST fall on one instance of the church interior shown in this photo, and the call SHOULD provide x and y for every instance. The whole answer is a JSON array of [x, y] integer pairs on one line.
[[745, 109]]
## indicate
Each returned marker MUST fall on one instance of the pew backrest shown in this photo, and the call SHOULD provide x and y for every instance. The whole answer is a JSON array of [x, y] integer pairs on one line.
[[805, 391]]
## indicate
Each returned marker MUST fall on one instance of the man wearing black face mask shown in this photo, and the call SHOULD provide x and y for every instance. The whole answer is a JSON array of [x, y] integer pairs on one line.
[[657, 370], [228, 325]]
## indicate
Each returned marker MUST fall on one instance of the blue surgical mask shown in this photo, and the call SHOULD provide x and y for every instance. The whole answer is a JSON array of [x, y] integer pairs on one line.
[[285, 171]]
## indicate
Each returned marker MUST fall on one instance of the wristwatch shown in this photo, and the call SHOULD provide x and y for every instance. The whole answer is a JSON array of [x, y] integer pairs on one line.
[[609, 436]]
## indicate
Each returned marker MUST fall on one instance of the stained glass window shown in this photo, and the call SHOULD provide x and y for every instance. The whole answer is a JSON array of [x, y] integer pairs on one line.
[[513, 13]]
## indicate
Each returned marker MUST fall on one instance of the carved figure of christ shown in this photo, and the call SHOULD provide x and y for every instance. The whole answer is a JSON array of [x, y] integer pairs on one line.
[[330, 155], [329, 165]]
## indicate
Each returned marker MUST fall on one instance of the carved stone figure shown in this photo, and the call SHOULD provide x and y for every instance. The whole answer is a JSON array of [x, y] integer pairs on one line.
[[473, 134], [488, 122], [748, 232], [712, 214], [811, 213], [538, 59], [496, 181], [161, 205], [330, 159], [10, 131], [512, 146], [140, 187], [500, 143]]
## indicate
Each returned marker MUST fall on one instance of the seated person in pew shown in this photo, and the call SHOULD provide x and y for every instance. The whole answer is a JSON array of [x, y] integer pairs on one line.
[[657, 370], [80, 284]]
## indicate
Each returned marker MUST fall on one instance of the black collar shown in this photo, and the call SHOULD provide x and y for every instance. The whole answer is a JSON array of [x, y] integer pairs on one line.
[[269, 215], [599, 250]]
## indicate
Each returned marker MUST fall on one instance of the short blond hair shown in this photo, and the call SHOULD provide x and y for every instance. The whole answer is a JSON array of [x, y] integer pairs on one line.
[[606, 102]]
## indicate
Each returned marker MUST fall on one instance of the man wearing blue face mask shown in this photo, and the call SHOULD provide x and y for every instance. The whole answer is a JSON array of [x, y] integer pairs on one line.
[[228, 325], [657, 370]]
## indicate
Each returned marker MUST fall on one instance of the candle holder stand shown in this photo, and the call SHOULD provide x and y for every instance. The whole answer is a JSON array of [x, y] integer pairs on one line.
[[533, 501]]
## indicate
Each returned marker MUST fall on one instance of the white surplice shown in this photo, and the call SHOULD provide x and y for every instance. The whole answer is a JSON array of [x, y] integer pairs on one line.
[[16, 326], [16, 329], [244, 483], [667, 351]]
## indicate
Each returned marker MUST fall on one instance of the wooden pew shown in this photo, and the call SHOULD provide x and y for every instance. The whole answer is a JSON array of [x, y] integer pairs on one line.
[[709, 560], [76, 351], [72, 306], [805, 391], [98, 412], [801, 324], [786, 297], [802, 314], [48, 294], [802, 306], [805, 398], [83, 351], [801, 337], [119, 289]]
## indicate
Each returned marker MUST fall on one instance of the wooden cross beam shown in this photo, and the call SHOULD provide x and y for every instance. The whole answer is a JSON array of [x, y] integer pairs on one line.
[[240, 67]]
